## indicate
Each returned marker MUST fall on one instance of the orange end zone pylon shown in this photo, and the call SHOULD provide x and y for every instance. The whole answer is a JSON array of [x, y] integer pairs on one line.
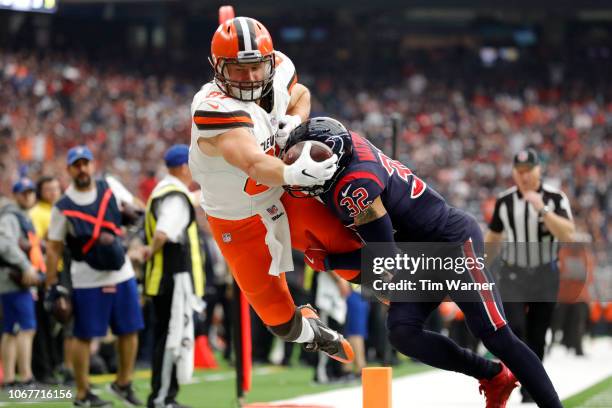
[[272, 405], [225, 13], [376, 386], [203, 356]]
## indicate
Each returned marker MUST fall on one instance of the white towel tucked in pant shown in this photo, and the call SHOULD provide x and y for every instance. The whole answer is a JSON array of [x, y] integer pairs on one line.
[[180, 340], [278, 237]]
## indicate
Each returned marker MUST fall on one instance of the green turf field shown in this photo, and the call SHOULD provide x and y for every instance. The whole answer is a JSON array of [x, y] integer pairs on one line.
[[216, 388], [599, 395]]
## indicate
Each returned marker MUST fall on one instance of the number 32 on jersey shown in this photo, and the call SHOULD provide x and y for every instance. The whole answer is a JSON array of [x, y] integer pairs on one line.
[[356, 202]]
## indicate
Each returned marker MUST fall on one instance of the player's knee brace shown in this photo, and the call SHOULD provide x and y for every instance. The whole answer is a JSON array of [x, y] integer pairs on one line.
[[291, 330]]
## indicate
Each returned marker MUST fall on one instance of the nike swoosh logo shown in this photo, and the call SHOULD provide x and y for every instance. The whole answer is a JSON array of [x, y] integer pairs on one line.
[[212, 105], [311, 260], [332, 333], [345, 192], [306, 174]]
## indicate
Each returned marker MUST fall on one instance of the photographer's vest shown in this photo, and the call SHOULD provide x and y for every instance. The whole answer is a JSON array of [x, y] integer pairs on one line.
[[173, 257], [95, 230], [33, 248]]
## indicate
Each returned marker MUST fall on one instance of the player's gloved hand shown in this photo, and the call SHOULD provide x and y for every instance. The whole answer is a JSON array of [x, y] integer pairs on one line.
[[285, 126], [53, 294], [315, 258], [307, 172]]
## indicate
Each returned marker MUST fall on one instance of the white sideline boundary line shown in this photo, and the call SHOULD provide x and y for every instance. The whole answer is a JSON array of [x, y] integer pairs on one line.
[[437, 388]]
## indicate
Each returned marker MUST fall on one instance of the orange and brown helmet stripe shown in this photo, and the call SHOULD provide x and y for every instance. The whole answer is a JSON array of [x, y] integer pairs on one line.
[[241, 34]]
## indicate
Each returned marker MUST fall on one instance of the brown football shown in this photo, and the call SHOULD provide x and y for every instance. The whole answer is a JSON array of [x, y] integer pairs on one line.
[[319, 152], [62, 310]]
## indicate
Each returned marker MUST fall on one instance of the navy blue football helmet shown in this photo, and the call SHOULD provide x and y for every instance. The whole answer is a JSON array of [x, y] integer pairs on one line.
[[333, 134]]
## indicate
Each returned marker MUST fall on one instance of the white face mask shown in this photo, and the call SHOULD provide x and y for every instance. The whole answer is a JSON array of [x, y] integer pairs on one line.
[[245, 94]]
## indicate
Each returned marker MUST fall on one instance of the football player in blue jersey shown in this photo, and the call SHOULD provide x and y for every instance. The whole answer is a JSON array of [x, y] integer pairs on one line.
[[385, 202]]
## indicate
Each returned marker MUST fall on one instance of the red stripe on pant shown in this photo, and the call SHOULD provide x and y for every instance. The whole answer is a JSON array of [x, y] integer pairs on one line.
[[487, 297]]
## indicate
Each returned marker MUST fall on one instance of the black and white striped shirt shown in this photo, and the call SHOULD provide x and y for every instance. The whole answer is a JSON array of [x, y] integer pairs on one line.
[[520, 223]]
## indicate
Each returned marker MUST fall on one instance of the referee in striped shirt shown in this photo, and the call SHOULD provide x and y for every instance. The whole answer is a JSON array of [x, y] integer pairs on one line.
[[531, 218]]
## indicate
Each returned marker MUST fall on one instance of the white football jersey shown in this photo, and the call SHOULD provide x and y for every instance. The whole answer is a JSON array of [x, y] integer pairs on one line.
[[227, 191]]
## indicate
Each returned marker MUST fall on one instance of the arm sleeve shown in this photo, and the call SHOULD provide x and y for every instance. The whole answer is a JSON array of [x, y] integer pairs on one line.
[[58, 227], [10, 252], [173, 217], [353, 195], [121, 193], [496, 224], [378, 232]]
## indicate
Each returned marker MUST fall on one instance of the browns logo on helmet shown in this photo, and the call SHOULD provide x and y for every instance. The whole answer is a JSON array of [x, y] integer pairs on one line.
[[243, 41]]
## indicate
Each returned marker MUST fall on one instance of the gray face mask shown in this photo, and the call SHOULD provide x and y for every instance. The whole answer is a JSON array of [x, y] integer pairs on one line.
[[247, 91]]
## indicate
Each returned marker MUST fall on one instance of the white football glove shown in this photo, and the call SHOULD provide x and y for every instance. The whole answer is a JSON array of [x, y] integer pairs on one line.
[[307, 172], [285, 126]]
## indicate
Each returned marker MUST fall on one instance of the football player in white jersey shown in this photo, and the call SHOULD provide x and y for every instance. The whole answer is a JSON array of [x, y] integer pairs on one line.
[[238, 121]]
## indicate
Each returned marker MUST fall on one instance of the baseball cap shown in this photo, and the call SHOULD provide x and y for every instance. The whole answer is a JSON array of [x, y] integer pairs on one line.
[[23, 184], [77, 153], [526, 157], [177, 155]]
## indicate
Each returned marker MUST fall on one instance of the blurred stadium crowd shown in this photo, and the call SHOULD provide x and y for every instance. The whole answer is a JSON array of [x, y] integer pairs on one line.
[[458, 133], [461, 123]]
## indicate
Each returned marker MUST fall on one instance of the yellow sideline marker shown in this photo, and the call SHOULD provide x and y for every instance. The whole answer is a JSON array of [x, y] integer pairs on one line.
[[376, 385]]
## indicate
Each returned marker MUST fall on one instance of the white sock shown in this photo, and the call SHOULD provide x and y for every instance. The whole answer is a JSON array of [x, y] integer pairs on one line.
[[307, 334]]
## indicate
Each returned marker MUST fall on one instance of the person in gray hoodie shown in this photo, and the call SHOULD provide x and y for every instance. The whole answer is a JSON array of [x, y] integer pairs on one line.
[[20, 264]]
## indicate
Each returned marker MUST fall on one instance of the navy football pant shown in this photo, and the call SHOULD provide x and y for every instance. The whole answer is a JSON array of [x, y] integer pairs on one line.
[[485, 319]]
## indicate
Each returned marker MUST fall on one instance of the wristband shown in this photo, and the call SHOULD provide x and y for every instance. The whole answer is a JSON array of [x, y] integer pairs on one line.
[[544, 210]]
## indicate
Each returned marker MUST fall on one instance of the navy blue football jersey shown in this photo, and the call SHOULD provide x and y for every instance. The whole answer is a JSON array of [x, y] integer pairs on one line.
[[417, 211]]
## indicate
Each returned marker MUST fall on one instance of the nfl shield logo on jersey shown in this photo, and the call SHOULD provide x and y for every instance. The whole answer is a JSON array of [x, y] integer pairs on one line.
[[226, 237], [275, 212], [272, 210]]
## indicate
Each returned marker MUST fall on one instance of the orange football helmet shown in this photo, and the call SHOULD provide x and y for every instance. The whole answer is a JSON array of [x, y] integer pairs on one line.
[[242, 40]]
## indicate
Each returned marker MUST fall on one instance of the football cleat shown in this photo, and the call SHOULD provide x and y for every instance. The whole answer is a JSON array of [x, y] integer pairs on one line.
[[325, 339], [497, 390]]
